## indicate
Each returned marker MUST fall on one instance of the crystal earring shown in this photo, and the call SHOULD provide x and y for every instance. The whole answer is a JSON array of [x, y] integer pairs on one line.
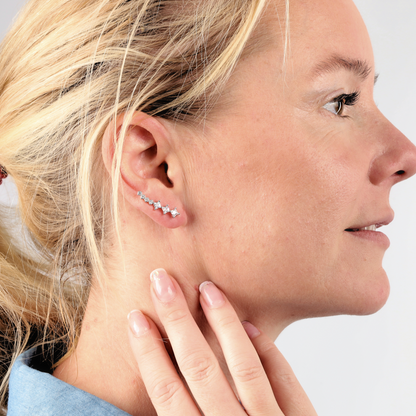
[[157, 205]]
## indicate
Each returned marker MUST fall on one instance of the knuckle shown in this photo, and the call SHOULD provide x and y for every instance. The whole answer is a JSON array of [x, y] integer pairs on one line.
[[286, 378], [150, 350], [165, 392], [248, 373], [267, 348], [199, 369], [227, 321], [176, 316]]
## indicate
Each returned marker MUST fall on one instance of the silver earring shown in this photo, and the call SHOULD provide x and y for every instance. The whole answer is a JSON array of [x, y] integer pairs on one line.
[[157, 205]]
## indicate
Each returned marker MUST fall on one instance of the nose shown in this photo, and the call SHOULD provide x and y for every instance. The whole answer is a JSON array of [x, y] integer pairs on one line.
[[396, 158]]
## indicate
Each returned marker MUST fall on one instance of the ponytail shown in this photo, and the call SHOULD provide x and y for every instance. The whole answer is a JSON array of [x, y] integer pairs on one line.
[[30, 303]]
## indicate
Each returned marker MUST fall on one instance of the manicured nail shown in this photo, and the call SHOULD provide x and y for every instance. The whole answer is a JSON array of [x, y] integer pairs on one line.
[[212, 295], [251, 330], [138, 323], [163, 285]]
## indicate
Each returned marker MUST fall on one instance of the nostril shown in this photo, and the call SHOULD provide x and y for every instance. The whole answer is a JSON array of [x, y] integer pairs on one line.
[[400, 172]]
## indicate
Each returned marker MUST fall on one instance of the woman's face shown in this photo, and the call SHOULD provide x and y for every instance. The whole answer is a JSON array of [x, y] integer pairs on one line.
[[297, 158]]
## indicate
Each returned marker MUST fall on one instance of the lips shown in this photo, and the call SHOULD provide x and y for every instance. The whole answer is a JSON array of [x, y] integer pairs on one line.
[[370, 225]]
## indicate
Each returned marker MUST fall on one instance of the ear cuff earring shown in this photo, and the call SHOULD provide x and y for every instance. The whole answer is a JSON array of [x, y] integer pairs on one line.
[[158, 205]]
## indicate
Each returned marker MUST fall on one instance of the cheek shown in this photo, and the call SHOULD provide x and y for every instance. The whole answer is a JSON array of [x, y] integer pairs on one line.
[[330, 272], [272, 209], [272, 217]]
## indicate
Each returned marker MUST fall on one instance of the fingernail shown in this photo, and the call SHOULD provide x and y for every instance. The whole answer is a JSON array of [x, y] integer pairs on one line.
[[251, 330], [212, 295], [163, 285], [138, 323]]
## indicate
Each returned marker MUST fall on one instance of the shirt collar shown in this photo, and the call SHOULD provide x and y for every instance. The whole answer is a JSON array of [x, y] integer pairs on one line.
[[33, 390]]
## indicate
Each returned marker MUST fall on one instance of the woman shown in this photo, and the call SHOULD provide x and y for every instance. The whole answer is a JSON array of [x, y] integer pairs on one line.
[[272, 153]]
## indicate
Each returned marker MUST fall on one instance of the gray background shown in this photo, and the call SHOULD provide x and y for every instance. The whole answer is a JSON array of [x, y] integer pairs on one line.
[[361, 366]]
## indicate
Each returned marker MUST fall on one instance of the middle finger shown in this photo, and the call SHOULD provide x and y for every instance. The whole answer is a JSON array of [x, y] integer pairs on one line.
[[194, 356], [250, 378]]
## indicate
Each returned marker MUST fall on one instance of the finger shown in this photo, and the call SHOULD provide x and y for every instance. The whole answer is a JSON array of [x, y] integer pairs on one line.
[[251, 380], [289, 393], [194, 356], [167, 392]]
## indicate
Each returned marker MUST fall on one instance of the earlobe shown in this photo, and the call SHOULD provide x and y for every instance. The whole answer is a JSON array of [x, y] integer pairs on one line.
[[147, 160]]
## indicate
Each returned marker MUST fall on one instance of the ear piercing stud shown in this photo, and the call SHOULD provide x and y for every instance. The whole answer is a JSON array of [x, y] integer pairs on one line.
[[158, 205]]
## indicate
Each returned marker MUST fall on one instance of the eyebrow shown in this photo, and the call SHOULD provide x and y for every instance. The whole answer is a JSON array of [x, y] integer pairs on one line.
[[335, 63]]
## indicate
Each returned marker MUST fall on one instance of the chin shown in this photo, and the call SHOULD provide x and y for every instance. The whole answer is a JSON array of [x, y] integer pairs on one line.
[[363, 295], [375, 301], [370, 295]]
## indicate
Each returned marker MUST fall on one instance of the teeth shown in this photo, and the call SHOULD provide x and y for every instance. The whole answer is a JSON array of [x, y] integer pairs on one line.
[[369, 228]]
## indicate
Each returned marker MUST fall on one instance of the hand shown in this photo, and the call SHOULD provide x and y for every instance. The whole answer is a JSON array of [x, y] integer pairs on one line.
[[264, 380]]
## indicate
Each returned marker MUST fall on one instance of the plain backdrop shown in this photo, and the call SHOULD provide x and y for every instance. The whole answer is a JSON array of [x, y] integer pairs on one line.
[[360, 366]]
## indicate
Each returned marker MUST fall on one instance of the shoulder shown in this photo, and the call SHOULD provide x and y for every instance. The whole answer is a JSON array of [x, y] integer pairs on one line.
[[34, 391]]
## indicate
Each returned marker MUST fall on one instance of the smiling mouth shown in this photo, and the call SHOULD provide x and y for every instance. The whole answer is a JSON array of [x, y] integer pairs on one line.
[[362, 227], [371, 234], [368, 228]]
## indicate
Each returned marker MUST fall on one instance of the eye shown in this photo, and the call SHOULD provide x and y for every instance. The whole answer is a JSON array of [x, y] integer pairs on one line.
[[335, 107], [338, 104]]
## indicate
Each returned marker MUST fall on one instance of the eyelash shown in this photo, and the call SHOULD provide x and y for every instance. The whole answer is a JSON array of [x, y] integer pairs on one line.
[[343, 100]]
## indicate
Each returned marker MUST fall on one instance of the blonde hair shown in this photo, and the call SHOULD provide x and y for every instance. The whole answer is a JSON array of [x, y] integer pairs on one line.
[[67, 69]]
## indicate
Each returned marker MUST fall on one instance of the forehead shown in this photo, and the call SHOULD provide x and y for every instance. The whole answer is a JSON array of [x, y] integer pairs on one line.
[[318, 31], [324, 37]]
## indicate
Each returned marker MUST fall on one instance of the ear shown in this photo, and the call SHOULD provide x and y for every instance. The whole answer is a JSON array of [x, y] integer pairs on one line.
[[149, 168]]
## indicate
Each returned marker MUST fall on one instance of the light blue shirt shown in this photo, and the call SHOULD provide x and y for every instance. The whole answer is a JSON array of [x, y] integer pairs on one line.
[[36, 392]]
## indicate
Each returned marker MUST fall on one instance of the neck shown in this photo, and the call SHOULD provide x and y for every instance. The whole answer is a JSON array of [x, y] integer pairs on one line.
[[103, 363]]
